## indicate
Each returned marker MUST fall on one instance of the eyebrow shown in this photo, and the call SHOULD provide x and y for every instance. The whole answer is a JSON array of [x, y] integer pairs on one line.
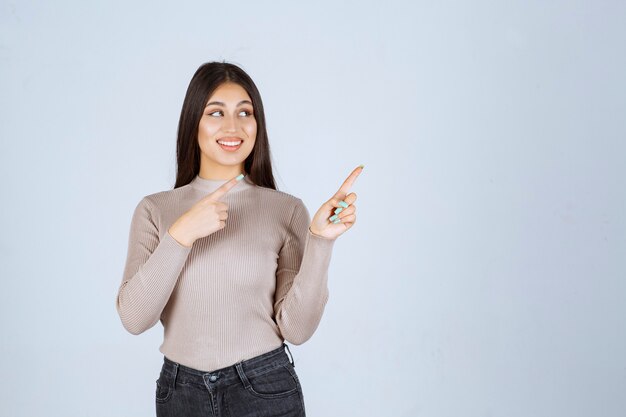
[[219, 103]]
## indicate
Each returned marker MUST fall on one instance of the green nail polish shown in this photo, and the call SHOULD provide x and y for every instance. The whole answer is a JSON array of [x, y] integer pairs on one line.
[[338, 210], [239, 177], [343, 204], [333, 217], [337, 221]]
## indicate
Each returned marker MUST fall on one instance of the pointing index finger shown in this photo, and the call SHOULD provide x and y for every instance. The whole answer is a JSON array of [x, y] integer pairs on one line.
[[224, 188], [347, 184]]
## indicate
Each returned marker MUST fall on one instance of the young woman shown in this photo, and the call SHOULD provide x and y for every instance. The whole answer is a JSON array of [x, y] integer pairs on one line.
[[231, 266]]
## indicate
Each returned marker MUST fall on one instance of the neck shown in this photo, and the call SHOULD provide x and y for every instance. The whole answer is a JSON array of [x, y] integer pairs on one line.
[[214, 171], [208, 185]]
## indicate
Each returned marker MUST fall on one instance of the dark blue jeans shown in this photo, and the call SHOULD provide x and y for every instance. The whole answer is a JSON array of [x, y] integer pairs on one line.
[[266, 385]]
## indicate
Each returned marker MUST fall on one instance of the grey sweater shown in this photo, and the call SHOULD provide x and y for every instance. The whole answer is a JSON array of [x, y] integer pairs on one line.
[[236, 293]]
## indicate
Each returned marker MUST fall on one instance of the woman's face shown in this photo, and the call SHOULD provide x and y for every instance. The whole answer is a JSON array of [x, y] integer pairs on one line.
[[228, 117]]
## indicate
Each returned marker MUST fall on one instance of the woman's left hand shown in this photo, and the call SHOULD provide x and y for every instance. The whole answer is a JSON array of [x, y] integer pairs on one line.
[[339, 213]]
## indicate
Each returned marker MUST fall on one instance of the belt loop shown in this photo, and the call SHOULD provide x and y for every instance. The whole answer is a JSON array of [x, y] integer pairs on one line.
[[242, 374], [291, 356], [175, 374]]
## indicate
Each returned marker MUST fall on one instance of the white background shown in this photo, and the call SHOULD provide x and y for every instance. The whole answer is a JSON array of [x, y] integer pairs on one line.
[[485, 275]]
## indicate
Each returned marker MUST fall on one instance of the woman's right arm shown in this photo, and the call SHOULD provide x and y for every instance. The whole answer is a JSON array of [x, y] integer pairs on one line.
[[151, 272]]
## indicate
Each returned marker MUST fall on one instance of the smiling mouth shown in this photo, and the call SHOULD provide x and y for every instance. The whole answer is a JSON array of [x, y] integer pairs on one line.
[[230, 145]]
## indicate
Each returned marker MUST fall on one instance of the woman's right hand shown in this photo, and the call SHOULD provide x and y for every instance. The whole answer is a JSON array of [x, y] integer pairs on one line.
[[203, 218]]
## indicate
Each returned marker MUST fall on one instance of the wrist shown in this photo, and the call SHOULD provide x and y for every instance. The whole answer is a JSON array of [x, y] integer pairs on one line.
[[180, 237], [312, 231], [316, 233]]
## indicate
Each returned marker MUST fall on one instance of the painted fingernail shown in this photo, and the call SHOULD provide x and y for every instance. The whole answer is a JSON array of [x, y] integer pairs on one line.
[[333, 217], [336, 221], [239, 177], [361, 166], [343, 204], [338, 210]]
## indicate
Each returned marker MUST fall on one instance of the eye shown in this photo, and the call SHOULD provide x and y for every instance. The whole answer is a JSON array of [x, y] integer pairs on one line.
[[248, 112]]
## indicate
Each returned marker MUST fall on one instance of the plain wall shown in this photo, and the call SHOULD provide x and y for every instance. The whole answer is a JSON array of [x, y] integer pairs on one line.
[[485, 275]]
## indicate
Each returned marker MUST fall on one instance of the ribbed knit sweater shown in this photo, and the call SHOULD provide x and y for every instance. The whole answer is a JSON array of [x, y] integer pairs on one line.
[[234, 294]]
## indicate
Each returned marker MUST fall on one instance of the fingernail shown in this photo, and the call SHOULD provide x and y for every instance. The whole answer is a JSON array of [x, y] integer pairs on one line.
[[361, 166], [343, 204], [239, 177], [331, 218], [338, 210], [336, 221]]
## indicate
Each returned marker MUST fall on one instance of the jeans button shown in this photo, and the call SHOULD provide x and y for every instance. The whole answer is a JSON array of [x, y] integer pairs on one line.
[[213, 378]]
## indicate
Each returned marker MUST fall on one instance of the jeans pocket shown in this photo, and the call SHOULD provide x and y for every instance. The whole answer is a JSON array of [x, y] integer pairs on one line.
[[278, 382], [163, 390]]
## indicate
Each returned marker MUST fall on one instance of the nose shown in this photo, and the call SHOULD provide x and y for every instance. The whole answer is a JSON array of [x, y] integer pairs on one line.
[[230, 124]]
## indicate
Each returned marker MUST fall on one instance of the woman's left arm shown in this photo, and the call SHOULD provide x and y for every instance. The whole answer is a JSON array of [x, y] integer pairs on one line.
[[302, 274]]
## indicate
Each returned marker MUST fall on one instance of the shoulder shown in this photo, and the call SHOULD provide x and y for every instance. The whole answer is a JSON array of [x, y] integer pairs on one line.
[[162, 200], [286, 208], [278, 197]]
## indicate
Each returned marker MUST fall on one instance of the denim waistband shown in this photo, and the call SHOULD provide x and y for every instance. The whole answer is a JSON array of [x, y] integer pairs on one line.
[[230, 374]]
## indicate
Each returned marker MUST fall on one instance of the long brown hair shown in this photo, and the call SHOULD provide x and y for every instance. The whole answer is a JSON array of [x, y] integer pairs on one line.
[[204, 82]]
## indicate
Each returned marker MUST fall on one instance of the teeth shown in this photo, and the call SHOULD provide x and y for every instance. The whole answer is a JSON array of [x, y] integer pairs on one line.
[[229, 143]]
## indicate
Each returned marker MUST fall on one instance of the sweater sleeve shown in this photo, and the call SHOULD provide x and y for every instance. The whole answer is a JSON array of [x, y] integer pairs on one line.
[[301, 278], [151, 272]]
